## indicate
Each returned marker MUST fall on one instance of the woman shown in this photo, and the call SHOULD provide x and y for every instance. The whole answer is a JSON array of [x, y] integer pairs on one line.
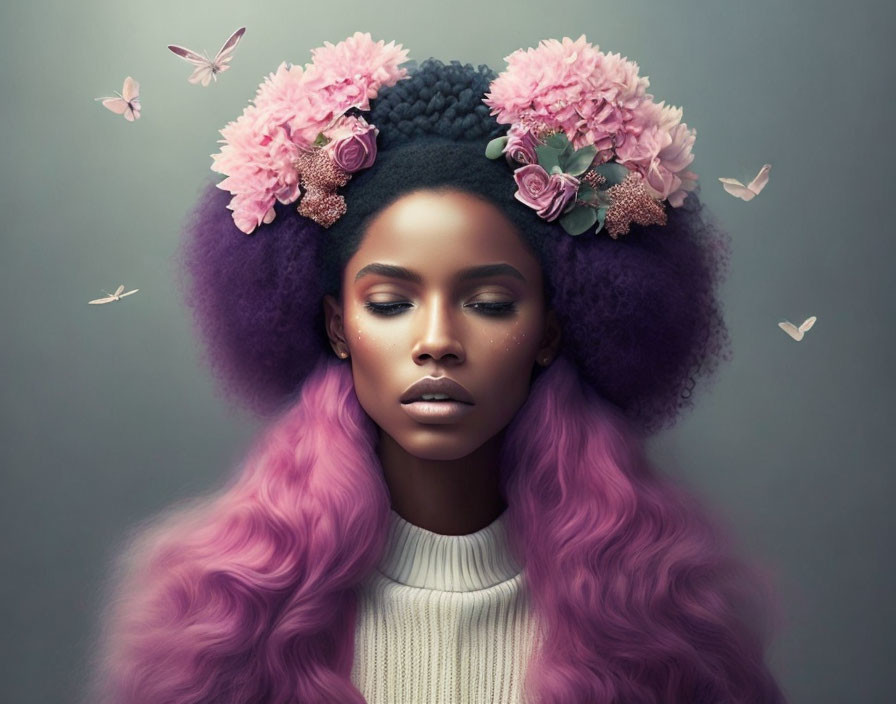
[[455, 506]]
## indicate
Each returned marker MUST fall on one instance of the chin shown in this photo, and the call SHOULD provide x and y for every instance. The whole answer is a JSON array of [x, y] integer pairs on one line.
[[429, 445]]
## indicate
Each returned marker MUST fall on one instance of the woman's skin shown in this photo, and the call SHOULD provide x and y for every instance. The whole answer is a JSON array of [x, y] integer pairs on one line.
[[418, 301]]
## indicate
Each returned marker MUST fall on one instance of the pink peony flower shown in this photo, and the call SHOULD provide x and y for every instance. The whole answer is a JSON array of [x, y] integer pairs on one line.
[[521, 145], [352, 144], [571, 86], [661, 152], [548, 194], [599, 99], [351, 72], [290, 109]]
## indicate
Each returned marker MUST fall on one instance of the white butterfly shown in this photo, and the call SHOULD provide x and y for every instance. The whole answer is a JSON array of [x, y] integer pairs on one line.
[[128, 101], [206, 68], [117, 296], [797, 332], [752, 189]]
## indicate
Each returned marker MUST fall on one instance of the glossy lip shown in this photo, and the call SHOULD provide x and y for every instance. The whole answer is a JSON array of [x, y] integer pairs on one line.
[[437, 412], [436, 385]]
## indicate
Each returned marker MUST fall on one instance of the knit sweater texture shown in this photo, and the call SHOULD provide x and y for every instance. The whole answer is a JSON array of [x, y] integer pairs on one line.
[[444, 619]]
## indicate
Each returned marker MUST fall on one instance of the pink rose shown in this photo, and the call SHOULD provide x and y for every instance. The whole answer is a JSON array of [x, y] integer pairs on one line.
[[521, 145], [352, 144], [548, 194]]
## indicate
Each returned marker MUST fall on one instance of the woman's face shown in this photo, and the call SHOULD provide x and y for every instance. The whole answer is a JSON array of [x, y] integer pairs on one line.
[[442, 288]]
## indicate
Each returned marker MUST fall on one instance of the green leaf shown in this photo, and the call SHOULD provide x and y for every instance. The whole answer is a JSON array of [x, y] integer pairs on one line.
[[495, 148], [601, 213], [320, 141], [614, 172], [581, 160], [557, 141], [587, 193], [579, 219], [603, 199], [548, 157]]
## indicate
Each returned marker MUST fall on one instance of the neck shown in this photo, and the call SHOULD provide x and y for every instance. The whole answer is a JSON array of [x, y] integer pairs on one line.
[[450, 497]]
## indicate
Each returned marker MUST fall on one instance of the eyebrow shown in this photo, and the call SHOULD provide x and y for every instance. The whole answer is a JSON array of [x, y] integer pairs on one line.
[[476, 272]]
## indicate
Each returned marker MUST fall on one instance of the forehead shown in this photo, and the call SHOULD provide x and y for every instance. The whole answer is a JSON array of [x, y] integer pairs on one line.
[[438, 233]]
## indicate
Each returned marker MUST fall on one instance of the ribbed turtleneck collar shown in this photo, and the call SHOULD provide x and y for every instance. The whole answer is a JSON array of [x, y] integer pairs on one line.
[[456, 563]]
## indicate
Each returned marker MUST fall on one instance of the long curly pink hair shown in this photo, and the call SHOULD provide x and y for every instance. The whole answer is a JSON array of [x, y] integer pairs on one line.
[[249, 595]]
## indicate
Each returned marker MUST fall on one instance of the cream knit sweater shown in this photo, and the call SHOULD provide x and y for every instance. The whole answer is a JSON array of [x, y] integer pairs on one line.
[[443, 620]]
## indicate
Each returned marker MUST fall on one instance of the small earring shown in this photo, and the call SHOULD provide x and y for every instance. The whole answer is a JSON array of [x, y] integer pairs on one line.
[[342, 354]]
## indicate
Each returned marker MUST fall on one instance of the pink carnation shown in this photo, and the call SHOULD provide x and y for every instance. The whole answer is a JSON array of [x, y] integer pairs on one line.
[[599, 99], [351, 72], [292, 106], [570, 86], [661, 152]]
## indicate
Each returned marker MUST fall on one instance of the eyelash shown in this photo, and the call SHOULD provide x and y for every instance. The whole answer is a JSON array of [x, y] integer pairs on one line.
[[492, 309]]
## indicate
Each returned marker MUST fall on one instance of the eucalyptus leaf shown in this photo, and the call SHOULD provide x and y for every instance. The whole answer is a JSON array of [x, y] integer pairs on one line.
[[601, 214], [548, 157], [614, 172], [495, 148], [587, 193], [568, 149], [579, 219], [581, 160], [557, 141]]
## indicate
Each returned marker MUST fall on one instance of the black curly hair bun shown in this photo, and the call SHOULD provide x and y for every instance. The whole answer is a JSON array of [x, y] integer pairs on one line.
[[437, 99]]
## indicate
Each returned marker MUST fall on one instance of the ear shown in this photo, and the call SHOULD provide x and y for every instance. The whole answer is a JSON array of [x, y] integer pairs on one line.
[[335, 327], [550, 340]]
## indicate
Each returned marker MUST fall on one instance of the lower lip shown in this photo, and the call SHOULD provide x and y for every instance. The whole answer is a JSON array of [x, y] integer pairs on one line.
[[437, 411]]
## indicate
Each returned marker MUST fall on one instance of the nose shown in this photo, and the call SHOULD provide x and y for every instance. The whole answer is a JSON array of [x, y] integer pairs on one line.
[[438, 337]]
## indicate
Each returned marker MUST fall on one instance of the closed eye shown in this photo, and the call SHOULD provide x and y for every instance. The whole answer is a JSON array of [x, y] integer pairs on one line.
[[386, 308], [494, 308], [486, 308]]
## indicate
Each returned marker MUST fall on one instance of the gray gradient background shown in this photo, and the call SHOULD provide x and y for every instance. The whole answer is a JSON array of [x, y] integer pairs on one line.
[[108, 414]]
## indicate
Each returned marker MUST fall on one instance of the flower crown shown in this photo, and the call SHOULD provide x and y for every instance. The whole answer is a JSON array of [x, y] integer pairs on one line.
[[300, 138], [588, 143]]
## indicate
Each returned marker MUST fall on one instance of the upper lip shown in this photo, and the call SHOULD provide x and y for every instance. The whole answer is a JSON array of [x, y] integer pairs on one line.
[[436, 385]]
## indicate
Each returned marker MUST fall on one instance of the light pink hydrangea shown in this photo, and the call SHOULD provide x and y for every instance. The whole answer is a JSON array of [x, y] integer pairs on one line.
[[597, 98], [351, 72], [292, 106]]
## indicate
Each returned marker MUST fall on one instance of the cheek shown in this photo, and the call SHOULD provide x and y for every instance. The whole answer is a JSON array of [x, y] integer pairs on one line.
[[516, 346], [368, 340]]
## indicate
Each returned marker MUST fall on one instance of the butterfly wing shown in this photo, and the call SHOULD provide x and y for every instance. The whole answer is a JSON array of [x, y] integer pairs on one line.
[[189, 55], [791, 330], [202, 74], [97, 301], [133, 111], [204, 70], [808, 323], [737, 189], [758, 183], [128, 293], [130, 93], [223, 57], [131, 89], [118, 290], [116, 105]]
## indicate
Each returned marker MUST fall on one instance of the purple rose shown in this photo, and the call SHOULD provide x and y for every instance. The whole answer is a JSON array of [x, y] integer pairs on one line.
[[548, 194], [521, 145], [353, 147]]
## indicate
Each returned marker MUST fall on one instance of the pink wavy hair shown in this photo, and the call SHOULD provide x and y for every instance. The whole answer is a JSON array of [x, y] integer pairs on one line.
[[248, 595]]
